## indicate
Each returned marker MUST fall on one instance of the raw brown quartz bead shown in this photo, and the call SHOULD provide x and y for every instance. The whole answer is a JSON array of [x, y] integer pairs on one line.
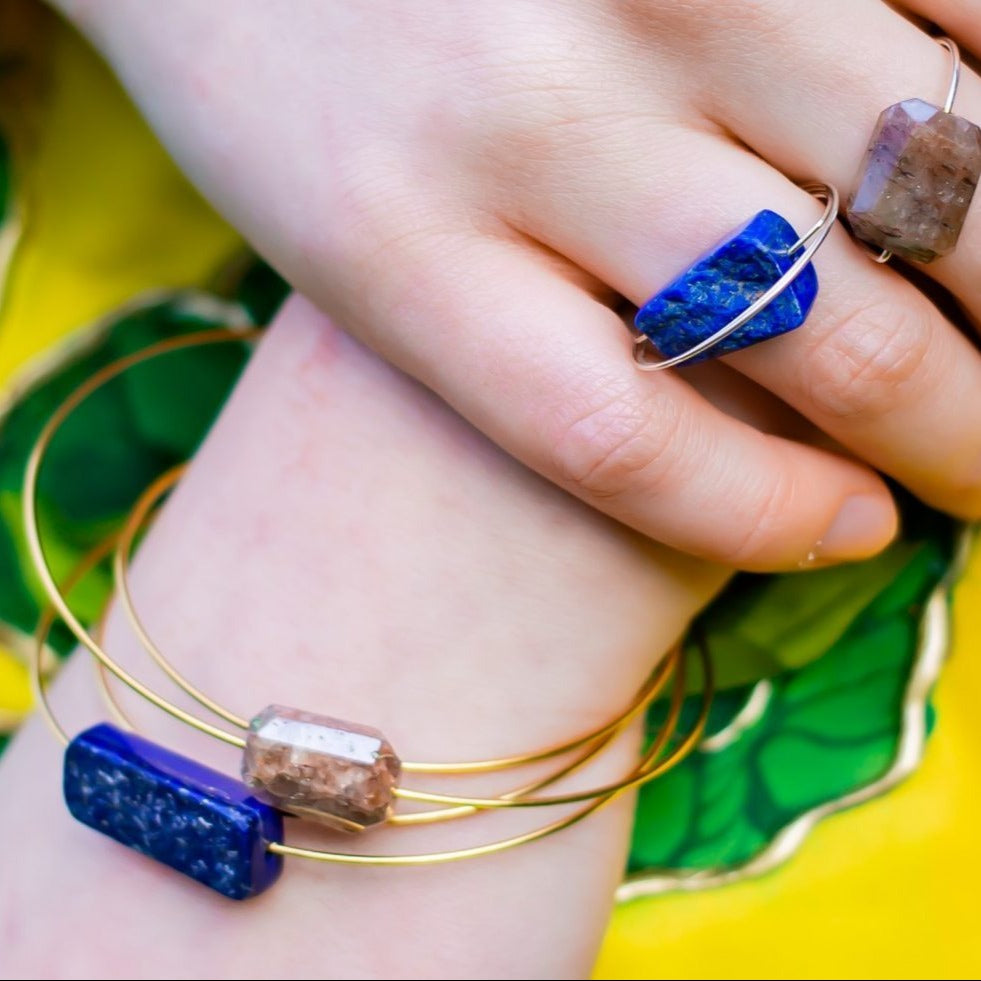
[[917, 181], [337, 773]]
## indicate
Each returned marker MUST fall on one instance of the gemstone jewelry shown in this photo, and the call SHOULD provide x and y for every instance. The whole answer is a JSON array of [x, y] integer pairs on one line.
[[188, 816], [755, 284], [918, 177], [229, 834]]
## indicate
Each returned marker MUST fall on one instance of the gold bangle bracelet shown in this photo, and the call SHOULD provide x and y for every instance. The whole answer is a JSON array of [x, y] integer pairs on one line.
[[327, 750]]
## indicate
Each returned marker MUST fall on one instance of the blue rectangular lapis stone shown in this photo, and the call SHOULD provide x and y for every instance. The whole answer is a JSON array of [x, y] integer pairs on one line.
[[194, 819], [722, 284]]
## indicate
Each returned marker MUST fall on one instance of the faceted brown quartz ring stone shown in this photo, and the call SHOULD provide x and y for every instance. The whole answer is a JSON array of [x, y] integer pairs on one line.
[[336, 773], [916, 182]]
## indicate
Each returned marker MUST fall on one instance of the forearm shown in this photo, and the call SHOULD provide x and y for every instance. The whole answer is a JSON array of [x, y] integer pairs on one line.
[[346, 545]]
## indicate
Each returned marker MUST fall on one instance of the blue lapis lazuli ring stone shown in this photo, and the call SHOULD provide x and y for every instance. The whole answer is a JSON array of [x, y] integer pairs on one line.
[[194, 819], [723, 283]]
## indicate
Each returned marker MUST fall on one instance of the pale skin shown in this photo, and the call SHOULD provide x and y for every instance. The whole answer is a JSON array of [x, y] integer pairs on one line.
[[467, 186], [539, 159], [345, 543]]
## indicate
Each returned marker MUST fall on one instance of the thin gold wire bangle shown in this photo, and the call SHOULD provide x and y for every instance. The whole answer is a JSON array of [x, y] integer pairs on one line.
[[43, 630], [133, 526], [88, 562], [446, 813], [430, 858], [638, 776], [109, 699], [48, 432], [519, 798], [434, 858], [664, 735], [443, 814], [32, 529], [120, 567], [459, 811], [596, 798]]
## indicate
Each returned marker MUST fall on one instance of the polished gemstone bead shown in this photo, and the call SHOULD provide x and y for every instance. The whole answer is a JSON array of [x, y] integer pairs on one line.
[[723, 283], [188, 816], [337, 773], [916, 181]]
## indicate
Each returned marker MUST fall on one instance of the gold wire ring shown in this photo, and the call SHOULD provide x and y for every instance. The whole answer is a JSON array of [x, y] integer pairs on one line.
[[810, 241]]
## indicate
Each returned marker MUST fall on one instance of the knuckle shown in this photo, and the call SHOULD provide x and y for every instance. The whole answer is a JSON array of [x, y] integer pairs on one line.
[[863, 368], [616, 442]]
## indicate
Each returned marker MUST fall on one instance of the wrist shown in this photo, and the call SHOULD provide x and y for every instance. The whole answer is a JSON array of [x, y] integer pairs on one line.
[[295, 555], [344, 544]]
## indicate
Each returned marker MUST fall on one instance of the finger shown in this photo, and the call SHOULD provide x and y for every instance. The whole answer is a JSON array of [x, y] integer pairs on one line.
[[959, 19], [545, 370], [875, 366], [831, 69], [735, 395]]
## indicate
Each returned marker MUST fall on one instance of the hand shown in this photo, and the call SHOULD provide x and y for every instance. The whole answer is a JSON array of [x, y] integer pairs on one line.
[[465, 187]]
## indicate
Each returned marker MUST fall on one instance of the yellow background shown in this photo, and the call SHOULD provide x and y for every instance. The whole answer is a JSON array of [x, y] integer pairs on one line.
[[887, 890]]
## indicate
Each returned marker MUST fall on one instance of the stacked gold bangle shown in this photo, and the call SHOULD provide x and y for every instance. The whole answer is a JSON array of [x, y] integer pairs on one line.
[[227, 833]]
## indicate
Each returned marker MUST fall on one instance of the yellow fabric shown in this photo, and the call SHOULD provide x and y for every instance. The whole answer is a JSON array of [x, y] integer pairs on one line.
[[106, 216], [889, 889], [886, 890], [15, 695]]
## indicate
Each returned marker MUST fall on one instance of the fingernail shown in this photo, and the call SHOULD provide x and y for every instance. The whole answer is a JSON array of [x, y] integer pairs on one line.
[[864, 525]]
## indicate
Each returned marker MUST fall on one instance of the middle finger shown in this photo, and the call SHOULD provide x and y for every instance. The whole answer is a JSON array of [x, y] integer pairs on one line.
[[876, 366]]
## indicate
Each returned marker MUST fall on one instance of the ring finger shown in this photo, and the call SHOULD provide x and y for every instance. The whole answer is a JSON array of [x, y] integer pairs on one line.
[[876, 366]]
